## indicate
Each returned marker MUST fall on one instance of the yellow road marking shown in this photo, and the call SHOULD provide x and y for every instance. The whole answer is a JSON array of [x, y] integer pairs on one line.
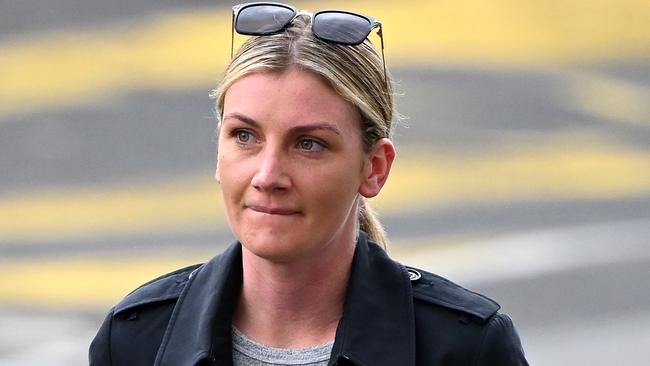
[[80, 283], [556, 171], [180, 49], [189, 48], [90, 283], [610, 98], [421, 179], [179, 206]]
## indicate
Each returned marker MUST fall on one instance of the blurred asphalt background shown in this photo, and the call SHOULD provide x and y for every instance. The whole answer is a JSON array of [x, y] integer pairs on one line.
[[523, 168]]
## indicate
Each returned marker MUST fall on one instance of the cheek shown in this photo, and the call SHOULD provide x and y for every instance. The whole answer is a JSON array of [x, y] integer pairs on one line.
[[231, 177], [334, 188]]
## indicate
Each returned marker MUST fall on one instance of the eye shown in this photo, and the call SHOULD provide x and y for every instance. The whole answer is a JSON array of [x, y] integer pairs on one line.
[[310, 145], [243, 136]]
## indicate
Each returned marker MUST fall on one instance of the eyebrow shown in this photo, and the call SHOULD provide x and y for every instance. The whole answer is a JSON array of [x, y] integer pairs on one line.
[[296, 129], [243, 118]]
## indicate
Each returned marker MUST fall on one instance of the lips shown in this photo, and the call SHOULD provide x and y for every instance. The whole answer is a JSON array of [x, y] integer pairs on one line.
[[273, 210]]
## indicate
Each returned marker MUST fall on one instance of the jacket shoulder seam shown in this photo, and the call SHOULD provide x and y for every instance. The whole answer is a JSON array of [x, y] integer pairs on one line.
[[166, 275], [139, 297], [454, 296]]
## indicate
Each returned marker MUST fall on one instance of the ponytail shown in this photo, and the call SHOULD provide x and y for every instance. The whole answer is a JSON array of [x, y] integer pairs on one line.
[[369, 222]]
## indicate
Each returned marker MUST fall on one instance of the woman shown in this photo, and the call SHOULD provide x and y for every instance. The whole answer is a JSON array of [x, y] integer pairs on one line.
[[305, 118]]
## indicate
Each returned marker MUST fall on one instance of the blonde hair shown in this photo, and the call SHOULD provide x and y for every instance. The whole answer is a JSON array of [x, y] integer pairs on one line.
[[355, 72]]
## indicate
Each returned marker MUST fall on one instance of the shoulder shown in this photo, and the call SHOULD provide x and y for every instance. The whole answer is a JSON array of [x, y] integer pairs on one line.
[[164, 288], [133, 329], [467, 323], [434, 290]]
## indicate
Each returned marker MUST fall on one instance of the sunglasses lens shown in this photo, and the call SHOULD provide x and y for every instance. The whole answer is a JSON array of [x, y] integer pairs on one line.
[[341, 27], [263, 19]]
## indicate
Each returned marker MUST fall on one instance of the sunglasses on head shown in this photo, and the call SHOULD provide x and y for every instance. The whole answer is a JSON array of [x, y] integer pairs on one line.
[[332, 26]]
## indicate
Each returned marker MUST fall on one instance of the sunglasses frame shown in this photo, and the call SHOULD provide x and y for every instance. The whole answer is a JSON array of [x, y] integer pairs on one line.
[[374, 23]]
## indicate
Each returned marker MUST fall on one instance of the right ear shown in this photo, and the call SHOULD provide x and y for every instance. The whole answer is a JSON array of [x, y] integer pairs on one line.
[[377, 167], [217, 176]]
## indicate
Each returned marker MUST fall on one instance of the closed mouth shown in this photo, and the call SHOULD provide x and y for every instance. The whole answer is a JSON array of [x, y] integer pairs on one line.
[[273, 210]]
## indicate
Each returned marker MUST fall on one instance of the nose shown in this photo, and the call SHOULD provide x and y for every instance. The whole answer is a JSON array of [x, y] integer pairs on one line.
[[271, 174]]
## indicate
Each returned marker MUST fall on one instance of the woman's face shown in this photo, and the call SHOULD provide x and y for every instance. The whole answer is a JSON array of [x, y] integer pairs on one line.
[[290, 163]]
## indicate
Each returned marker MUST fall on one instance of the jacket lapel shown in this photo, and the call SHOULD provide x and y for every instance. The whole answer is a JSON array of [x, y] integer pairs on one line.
[[200, 326], [378, 325]]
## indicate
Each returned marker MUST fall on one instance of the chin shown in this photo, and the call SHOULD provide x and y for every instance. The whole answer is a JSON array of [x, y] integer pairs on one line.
[[276, 247]]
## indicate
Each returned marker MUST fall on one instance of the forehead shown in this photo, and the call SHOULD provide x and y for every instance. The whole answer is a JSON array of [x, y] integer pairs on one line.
[[289, 97]]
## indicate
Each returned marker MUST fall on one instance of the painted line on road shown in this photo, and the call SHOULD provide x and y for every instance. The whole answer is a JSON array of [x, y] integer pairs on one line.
[[189, 48], [421, 179], [92, 284], [520, 256], [180, 205], [83, 283], [608, 98]]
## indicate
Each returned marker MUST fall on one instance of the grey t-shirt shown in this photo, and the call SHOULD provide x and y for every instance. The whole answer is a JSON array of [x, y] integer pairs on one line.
[[247, 352]]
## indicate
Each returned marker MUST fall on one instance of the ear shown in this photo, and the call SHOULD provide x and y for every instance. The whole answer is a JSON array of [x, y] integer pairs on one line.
[[377, 167], [217, 176]]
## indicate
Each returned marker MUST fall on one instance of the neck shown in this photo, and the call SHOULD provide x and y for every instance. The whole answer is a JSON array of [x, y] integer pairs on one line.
[[296, 304]]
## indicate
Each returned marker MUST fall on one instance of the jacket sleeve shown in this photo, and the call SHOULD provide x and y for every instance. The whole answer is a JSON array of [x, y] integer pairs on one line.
[[501, 344], [99, 353]]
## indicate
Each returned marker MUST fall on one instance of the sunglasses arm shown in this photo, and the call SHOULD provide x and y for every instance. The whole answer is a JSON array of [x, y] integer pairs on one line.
[[232, 34], [380, 33]]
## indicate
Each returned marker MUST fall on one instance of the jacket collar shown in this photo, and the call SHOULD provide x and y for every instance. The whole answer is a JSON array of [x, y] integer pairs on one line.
[[200, 325], [378, 324], [377, 327]]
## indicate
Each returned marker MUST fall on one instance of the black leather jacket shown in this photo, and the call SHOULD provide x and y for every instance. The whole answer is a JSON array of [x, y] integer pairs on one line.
[[392, 315]]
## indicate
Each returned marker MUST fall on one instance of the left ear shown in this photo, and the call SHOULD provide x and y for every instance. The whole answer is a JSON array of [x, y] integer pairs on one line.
[[377, 167], [217, 174]]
